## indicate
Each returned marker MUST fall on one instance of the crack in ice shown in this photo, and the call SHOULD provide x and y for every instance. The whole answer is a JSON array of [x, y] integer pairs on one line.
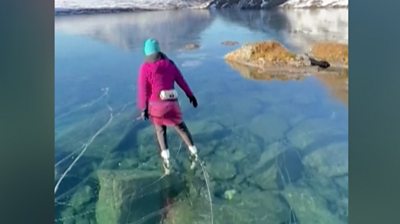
[[86, 145]]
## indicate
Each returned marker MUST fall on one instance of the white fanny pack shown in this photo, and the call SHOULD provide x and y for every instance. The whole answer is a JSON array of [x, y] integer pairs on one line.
[[168, 94]]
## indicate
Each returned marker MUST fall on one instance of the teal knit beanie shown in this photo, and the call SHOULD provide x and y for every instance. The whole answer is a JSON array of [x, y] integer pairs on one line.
[[151, 46]]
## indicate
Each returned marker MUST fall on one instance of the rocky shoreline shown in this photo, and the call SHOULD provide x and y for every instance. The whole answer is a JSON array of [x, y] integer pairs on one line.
[[270, 58], [73, 7]]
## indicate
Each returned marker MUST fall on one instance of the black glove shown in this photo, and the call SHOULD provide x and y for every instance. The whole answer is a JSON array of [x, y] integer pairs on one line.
[[193, 101], [145, 114]]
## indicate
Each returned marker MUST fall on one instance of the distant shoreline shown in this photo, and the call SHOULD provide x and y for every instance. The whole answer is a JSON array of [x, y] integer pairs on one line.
[[113, 10], [91, 11]]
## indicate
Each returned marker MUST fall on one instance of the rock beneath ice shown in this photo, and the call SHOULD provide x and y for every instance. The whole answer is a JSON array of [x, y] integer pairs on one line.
[[126, 196]]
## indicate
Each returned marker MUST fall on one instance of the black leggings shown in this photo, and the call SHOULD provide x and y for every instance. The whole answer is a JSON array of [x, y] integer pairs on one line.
[[161, 134]]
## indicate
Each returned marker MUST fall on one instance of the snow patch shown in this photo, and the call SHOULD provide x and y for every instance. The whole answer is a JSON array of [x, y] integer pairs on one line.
[[65, 5], [315, 3]]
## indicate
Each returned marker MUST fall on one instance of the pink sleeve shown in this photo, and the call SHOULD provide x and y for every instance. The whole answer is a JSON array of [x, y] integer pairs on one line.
[[142, 96], [181, 82]]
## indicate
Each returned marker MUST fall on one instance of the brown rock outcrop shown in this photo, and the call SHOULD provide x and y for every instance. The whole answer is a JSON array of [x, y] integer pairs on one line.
[[334, 53], [263, 54], [270, 60]]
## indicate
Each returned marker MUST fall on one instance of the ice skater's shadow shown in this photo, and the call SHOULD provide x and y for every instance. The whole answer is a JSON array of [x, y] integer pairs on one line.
[[129, 141]]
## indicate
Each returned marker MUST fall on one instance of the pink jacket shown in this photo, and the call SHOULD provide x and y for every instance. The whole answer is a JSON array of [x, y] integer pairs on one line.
[[157, 76]]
